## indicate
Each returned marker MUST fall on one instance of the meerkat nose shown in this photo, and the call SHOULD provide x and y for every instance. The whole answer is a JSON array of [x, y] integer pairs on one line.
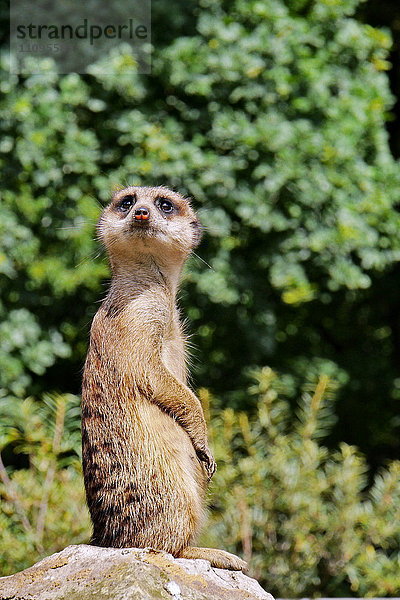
[[141, 214]]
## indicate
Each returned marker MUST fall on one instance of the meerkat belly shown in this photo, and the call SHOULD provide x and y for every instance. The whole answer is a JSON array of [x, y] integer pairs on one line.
[[164, 444], [152, 485]]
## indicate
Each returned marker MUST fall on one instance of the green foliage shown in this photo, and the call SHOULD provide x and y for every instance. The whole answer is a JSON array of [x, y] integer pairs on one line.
[[272, 117], [42, 504], [298, 512], [26, 348]]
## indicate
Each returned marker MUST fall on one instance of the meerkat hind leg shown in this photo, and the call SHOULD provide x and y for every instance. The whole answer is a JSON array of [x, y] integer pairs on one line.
[[218, 558]]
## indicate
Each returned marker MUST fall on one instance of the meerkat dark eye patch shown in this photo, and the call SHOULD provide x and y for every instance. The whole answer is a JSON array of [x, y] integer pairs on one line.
[[126, 203], [165, 205]]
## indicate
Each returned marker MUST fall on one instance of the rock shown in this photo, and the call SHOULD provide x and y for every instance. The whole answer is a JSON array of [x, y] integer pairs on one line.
[[88, 572]]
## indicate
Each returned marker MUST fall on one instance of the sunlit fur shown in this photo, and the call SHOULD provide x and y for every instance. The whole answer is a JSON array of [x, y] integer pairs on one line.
[[145, 454]]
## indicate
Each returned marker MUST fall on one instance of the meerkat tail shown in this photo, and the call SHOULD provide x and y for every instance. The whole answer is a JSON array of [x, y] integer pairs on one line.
[[218, 558]]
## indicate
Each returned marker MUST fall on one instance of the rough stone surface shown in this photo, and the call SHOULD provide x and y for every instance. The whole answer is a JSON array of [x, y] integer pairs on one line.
[[87, 572]]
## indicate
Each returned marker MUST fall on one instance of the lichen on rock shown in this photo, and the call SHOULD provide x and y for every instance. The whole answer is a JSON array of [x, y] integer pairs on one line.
[[85, 572]]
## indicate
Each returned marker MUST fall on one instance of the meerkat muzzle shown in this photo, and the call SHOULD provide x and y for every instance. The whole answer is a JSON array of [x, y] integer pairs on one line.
[[141, 214]]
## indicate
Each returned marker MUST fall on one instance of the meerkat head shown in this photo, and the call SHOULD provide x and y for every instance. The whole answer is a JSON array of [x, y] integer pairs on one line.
[[149, 220]]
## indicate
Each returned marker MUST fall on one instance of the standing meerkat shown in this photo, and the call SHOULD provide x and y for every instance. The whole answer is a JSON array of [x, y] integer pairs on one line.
[[146, 459]]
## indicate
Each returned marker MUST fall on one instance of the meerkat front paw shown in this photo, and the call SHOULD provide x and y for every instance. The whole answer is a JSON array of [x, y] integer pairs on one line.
[[205, 456]]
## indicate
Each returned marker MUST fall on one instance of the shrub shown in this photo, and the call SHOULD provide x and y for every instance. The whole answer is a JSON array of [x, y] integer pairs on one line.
[[42, 502], [298, 512]]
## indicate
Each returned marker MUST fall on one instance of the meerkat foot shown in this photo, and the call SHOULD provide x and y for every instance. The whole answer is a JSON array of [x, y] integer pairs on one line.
[[218, 558]]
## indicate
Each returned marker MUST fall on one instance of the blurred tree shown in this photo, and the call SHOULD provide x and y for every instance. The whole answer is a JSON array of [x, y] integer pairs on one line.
[[273, 118], [386, 13]]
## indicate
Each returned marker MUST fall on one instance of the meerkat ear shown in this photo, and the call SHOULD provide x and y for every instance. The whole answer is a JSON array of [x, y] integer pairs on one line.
[[197, 228]]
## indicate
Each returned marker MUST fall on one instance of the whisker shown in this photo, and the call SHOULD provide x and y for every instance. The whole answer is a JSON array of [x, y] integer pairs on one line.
[[74, 227], [96, 199], [90, 257], [202, 260]]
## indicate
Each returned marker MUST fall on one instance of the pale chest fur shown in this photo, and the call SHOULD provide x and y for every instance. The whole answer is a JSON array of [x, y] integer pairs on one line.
[[173, 353], [144, 326]]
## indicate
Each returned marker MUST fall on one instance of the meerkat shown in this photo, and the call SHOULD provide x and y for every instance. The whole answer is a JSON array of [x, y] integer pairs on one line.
[[146, 459]]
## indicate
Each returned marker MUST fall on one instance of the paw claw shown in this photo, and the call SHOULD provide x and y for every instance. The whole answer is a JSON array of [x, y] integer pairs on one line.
[[205, 456]]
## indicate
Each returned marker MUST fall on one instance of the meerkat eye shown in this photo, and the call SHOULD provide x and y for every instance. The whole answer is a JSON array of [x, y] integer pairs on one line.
[[165, 205], [126, 203]]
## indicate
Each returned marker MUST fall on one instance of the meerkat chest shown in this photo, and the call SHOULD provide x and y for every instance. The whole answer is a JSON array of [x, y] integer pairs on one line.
[[173, 357]]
